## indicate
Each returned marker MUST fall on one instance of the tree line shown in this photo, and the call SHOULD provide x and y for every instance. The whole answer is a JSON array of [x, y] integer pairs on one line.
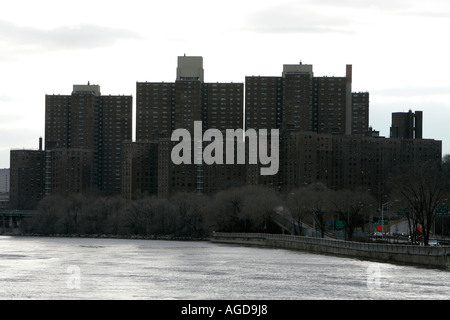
[[417, 192], [242, 209]]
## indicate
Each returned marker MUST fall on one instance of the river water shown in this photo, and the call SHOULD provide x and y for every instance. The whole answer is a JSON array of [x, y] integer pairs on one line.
[[116, 269]]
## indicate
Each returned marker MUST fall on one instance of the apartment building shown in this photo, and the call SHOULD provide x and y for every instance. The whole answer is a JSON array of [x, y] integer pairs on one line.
[[324, 137], [95, 123]]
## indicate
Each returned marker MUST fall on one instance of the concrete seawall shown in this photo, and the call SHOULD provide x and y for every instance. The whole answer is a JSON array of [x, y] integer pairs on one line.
[[433, 257]]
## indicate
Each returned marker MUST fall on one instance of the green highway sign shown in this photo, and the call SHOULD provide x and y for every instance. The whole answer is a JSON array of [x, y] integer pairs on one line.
[[384, 222], [340, 225], [442, 210]]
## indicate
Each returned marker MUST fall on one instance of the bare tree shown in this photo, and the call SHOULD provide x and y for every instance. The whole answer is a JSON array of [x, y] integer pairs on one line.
[[351, 206], [310, 204], [189, 214], [243, 209], [423, 189], [223, 213], [319, 203], [297, 204], [260, 203]]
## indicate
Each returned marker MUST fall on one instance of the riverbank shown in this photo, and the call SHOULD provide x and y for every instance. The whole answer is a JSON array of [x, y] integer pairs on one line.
[[430, 257], [104, 236]]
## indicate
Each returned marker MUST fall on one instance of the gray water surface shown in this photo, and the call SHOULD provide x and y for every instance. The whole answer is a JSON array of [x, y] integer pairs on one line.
[[86, 268]]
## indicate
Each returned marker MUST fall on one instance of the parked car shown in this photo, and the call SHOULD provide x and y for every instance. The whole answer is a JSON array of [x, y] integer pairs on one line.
[[433, 243], [378, 234]]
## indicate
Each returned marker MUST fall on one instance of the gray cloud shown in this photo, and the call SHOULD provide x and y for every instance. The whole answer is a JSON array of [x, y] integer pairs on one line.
[[428, 14], [5, 98], [389, 7], [414, 91], [22, 40], [297, 18], [330, 16], [385, 4]]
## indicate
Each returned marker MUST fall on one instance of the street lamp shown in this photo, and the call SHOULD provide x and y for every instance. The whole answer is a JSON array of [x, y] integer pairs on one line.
[[382, 214], [382, 217]]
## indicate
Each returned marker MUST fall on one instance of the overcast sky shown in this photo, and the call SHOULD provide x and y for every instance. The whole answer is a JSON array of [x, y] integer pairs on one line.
[[399, 50]]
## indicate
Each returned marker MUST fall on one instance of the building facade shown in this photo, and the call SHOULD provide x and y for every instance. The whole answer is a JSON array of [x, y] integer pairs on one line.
[[161, 108], [27, 178], [407, 125], [325, 135], [4, 180], [323, 125], [351, 161], [89, 126]]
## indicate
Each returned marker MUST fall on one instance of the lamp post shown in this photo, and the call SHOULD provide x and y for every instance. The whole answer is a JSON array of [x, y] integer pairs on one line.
[[382, 214], [382, 217]]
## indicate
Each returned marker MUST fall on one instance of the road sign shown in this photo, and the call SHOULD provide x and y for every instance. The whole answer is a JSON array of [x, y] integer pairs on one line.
[[381, 222], [340, 225], [442, 210]]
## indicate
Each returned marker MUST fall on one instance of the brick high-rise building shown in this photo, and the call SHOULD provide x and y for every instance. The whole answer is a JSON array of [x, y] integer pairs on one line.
[[4, 180], [188, 104], [86, 120], [300, 101], [68, 171], [360, 113], [407, 125], [351, 161], [116, 128], [263, 102], [154, 110], [324, 137], [297, 106], [140, 169], [27, 178], [331, 105], [162, 107], [224, 105]]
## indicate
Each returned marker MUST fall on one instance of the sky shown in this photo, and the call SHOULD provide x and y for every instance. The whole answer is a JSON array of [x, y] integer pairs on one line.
[[399, 50]]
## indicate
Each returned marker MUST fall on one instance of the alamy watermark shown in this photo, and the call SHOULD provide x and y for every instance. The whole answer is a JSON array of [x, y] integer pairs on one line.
[[373, 277], [74, 277], [213, 153], [380, 279]]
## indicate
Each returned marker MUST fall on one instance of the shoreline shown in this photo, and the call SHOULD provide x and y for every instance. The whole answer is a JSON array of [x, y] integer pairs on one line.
[[107, 236], [422, 260]]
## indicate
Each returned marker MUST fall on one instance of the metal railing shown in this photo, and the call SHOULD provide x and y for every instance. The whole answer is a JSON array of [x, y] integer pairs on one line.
[[362, 246]]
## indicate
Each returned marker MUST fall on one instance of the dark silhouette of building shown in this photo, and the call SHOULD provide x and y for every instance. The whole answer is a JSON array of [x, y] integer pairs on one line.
[[162, 107], [407, 125], [140, 169], [351, 161], [324, 137], [332, 104], [263, 102], [68, 171], [327, 155], [360, 113], [300, 101], [90, 127], [27, 175]]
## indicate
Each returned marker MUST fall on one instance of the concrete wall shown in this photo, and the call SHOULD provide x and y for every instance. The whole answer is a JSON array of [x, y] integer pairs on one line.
[[435, 257]]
